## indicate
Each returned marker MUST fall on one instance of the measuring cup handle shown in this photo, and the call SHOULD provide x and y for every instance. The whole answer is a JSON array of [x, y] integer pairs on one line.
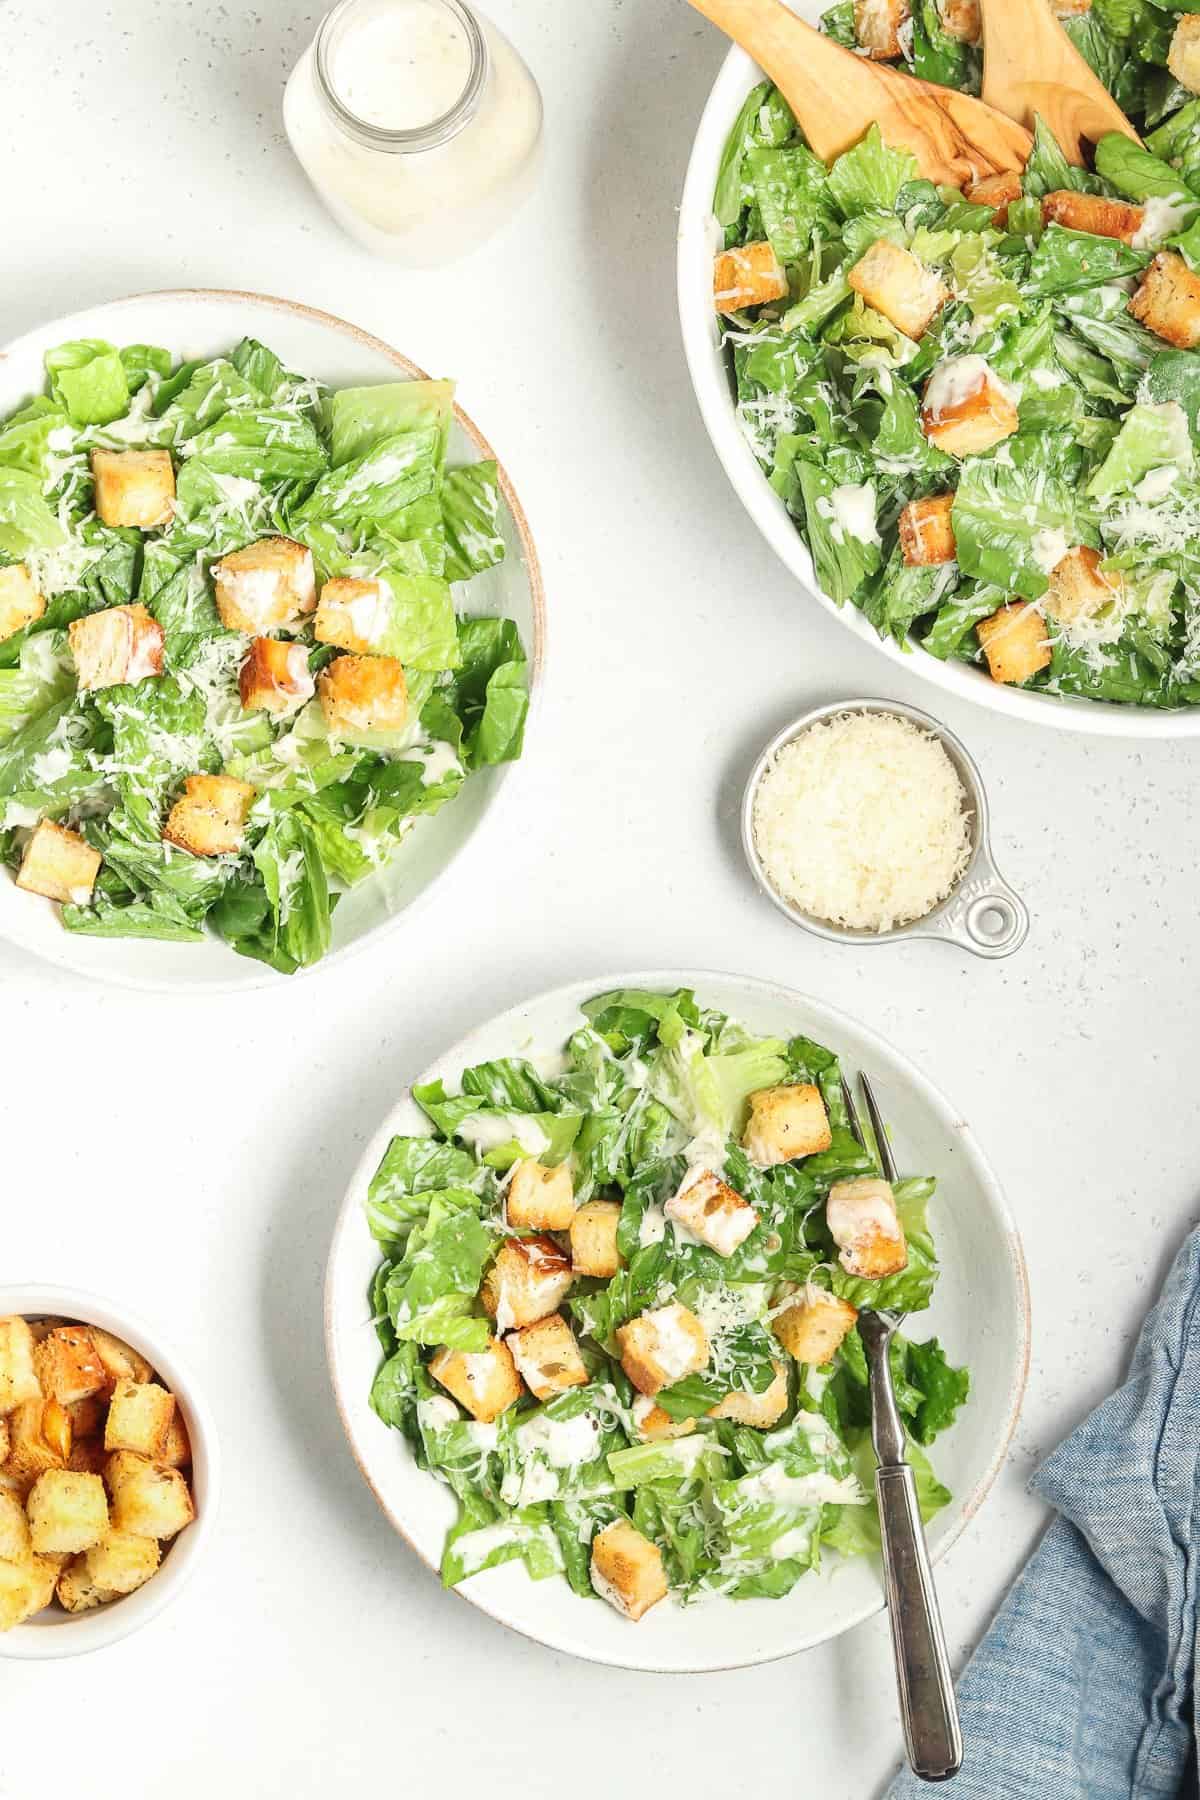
[[985, 916]]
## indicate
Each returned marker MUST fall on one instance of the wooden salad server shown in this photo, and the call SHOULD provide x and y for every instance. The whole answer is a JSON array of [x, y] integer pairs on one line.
[[1030, 66], [836, 96]]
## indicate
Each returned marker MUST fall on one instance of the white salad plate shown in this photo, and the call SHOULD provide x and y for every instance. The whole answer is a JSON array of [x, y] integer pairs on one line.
[[201, 323], [698, 241], [980, 1312]]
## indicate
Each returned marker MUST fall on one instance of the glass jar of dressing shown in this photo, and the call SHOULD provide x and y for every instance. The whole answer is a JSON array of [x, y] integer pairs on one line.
[[417, 123]]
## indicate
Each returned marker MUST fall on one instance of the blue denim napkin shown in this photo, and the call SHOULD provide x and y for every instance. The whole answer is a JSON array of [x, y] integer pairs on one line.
[[1083, 1687]]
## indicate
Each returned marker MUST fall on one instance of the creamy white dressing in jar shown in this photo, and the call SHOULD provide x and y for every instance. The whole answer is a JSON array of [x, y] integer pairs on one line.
[[418, 125]]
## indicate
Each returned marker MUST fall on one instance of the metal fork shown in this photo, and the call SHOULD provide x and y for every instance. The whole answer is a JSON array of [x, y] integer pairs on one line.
[[928, 1711]]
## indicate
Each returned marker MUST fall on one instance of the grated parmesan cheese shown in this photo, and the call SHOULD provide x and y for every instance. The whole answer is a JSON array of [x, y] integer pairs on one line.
[[861, 821]]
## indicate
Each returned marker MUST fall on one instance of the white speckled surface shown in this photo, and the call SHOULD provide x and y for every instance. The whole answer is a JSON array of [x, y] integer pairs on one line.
[[189, 1157]]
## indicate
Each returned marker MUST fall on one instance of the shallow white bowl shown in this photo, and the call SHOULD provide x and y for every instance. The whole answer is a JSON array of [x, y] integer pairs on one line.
[[981, 1315], [699, 238], [202, 323], [54, 1632]]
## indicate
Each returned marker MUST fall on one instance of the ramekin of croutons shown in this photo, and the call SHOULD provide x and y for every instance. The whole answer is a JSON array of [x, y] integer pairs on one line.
[[108, 1473]]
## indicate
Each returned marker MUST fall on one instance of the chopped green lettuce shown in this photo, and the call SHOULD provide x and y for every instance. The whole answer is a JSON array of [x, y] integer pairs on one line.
[[258, 450], [831, 395], [649, 1086]]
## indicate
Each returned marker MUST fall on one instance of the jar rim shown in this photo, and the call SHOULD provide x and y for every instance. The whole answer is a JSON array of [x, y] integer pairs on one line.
[[422, 137]]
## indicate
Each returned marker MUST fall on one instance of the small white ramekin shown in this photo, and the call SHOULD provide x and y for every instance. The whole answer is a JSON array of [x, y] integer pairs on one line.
[[54, 1632]]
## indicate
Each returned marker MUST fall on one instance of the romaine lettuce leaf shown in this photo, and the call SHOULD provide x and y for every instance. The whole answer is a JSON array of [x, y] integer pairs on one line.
[[364, 419], [489, 691], [26, 521], [1151, 437], [870, 174], [470, 500], [1011, 525], [88, 378]]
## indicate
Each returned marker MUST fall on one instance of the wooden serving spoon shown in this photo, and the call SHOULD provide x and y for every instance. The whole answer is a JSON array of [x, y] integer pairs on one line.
[[836, 96], [1031, 66]]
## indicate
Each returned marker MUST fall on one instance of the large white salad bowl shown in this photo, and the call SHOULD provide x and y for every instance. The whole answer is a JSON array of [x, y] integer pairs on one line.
[[712, 379], [981, 1314], [202, 323]]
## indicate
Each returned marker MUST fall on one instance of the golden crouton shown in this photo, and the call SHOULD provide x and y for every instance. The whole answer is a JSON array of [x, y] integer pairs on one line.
[[59, 864], [41, 1328], [1080, 588], [123, 644], [351, 613], [40, 1433], [659, 1348], [275, 676], [147, 1499], [961, 20], [361, 694], [998, 192], [1168, 300], [927, 531], [176, 1453], [121, 1562], [547, 1357], [877, 27], [1014, 643], [20, 600], [266, 585], [14, 1529], [627, 1569], [1070, 9], [209, 818], [813, 1327], [594, 1239], [67, 1512], [758, 1410], [139, 1417], [484, 1381], [862, 1220], [134, 487], [748, 276], [18, 1377], [712, 1211], [786, 1122], [898, 286], [528, 1281], [76, 1590], [540, 1199], [1094, 213], [966, 409], [68, 1366], [4, 1440], [25, 1588], [88, 1455], [654, 1425], [121, 1361], [87, 1416], [1183, 58]]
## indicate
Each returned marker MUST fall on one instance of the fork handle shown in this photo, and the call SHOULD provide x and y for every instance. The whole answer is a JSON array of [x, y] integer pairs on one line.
[[928, 1710]]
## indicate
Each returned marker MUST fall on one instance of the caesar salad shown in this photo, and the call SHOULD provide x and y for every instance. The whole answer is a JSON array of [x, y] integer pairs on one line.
[[236, 659], [980, 409], [617, 1304]]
